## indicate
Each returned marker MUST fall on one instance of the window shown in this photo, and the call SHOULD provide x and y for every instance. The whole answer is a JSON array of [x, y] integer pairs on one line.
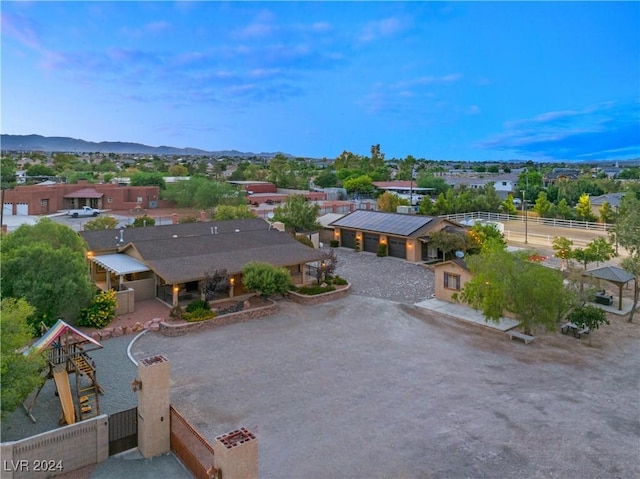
[[452, 281], [139, 199], [44, 202], [109, 199], [504, 183]]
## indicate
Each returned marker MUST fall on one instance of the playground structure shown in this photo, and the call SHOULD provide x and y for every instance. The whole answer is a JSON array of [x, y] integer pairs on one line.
[[66, 351]]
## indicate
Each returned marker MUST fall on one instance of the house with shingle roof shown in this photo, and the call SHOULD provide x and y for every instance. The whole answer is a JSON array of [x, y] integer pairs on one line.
[[406, 235], [171, 262]]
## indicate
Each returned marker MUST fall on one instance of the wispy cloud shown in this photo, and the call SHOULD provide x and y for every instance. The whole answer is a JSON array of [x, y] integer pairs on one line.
[[572, 134], [383, 28], [20, 29]]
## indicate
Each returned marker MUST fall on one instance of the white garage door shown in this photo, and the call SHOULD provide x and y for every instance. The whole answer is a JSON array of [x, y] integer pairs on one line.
[[22, 209], [7, 209]]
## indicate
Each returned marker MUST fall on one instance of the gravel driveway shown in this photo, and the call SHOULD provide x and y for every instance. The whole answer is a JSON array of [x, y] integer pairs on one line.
[[385, 278]]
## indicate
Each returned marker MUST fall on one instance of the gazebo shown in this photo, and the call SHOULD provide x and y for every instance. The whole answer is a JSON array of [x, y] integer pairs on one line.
[[613, 274]]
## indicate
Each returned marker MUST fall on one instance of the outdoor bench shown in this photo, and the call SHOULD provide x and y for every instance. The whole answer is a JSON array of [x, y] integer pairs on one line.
[[525, 337], [602, 298]]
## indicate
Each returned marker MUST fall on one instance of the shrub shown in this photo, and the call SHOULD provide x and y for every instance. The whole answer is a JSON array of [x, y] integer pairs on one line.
[[142, 221], [266, 279], [334, 243], [198, 315], [382, 249], [101, 310], [188, 219], [196, 305], [337, 280], [312, 290], [356, 246]]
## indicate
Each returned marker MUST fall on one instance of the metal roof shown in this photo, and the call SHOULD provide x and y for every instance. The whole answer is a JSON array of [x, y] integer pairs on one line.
[[120, 263], [85, 193], [610, 273], [390, 223]]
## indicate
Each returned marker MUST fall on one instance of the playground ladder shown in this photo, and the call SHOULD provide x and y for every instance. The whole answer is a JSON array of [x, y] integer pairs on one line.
[[88, 402]]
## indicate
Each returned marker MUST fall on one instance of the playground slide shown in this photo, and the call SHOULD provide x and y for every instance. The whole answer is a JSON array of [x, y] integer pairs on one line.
[[61, 378]]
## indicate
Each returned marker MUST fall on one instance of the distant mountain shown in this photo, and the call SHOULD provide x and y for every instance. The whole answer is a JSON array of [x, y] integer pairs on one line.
[[65, 144]]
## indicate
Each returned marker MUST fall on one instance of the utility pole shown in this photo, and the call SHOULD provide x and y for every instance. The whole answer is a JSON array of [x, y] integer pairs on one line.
[[526, 218], [616, 228]]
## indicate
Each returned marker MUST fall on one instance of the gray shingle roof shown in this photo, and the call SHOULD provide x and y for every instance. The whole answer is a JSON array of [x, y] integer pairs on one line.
[[182, 253], [380, 222]]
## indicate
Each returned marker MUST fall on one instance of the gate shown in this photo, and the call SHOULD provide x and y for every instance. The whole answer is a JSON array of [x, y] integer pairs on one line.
[[193, 450], [123, 431]]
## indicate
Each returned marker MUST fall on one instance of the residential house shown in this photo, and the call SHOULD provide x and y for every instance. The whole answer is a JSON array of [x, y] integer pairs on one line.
[[171, 262], [406, 236], [614, 200]]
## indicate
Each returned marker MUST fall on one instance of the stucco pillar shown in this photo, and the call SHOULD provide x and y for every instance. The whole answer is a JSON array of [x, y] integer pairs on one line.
[[236, 454], [175, 290], [154, 375]]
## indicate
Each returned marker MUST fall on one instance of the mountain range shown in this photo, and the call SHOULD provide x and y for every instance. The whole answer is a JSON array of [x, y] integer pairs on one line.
[[66, 144]]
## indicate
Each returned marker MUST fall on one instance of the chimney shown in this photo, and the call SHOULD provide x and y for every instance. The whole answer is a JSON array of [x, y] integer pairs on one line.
[[203, 216], [174, 218]]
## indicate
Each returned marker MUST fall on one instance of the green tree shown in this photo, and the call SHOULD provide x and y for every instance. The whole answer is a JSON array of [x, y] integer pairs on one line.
[[101, 223], [492, 198], [229, 212], [508, 207], [45, 264], [148, 179], [588, 316], [448, 242], [481, 233], [563, 210], [178, 170], [583, 209], [40, 170], [389, 202], [607, 214], [298, 214], [543, 205], [326, 179], [601, 250], [361, 184], [438, 184], [563, 248], [19, 373], [143, 221], [266, 279], [504, 281], [627, 233]]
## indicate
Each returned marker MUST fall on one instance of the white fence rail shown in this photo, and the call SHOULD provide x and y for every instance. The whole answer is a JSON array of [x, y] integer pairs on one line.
[[484, 215]]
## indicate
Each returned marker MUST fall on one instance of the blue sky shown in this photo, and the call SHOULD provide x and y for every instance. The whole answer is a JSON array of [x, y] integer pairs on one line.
[[444, 81]]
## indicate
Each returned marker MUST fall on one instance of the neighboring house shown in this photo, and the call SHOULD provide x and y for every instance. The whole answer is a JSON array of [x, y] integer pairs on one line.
[[561, 174], [45, 199], [406, 236], [170, 262], [614, 200], [451, 276], [504, 183]]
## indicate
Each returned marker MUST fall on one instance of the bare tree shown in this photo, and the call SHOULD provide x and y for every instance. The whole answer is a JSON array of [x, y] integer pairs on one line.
[[327, 265], [215, 281]]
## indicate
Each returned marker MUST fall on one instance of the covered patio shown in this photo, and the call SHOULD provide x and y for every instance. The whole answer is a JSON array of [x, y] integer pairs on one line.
[[615, 275]]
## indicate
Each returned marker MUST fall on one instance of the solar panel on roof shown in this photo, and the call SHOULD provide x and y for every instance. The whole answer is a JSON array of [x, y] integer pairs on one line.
[[391, 223]]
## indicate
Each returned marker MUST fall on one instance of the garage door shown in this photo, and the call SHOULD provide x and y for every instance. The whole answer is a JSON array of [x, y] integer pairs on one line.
[[7, 209], [348, 239], [398, 248], [371, 243], [22, 209]]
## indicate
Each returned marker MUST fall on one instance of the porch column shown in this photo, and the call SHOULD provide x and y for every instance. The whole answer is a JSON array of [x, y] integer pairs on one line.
[[232, 282], [175, 289], [108, 279], [304, 273]]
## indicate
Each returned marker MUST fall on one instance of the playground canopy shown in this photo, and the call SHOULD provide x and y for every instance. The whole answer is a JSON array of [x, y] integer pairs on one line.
[[62, 332]]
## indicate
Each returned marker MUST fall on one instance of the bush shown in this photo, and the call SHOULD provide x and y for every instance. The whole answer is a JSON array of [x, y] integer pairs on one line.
[[266, 279], [142, 221], [196, 305], [198, 315], [334, 243], [176, 312], [312, 290], [382, 249], [100, 312], [337, 280], [356, 246]]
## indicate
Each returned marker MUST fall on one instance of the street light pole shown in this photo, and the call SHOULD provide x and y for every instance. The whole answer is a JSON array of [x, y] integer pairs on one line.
[[616, 228], [526, 219]]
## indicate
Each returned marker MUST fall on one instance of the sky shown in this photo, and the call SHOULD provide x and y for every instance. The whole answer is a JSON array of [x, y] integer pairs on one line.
[[459, 81]]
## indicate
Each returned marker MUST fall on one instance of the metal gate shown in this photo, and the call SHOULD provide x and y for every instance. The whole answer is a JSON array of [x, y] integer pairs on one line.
[[123, 431]]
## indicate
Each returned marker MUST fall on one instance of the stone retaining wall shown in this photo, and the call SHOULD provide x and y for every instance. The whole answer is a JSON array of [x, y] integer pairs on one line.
[[309, 300], [170, 329]]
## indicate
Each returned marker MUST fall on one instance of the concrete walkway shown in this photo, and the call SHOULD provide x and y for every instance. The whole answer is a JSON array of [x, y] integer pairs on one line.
[[468, 314]]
